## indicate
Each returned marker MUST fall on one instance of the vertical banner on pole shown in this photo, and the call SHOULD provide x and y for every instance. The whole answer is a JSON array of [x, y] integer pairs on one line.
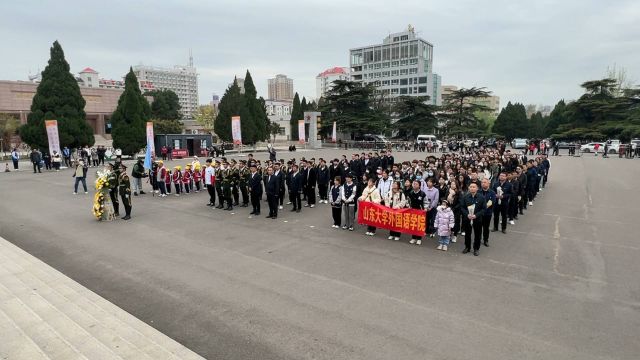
[[150, 138], [52, 135], [333, 133], [301, 133], [235, 130], [150, 154]]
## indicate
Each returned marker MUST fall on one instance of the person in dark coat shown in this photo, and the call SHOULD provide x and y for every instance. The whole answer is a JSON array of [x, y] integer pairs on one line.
[[255, 189], [336, 170], [272, 188], [295, 188], [309, 180], [35, 158], [490, 203], [323, 181], [472, 206], [503, 191]]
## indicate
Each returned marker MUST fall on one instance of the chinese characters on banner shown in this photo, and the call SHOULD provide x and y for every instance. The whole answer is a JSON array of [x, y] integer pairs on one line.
[[52, 135], [406, 221], [235, 130], [150, 140], [301, 134], [334, 134]]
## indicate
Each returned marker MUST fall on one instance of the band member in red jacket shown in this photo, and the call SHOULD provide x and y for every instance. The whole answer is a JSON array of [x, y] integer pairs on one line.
[[177, 179], [197, 175], [167, 181], [187, 176]]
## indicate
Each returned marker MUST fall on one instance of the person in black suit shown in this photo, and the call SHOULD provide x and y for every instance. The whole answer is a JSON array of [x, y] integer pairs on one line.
[[255, 189], [336, 170], [323, 181], [277, 171], [295, 188], [272, 187], [309, 180], [356, 167]]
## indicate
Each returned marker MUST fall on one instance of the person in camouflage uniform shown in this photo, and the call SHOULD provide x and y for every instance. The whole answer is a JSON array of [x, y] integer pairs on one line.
[[124, 187], [112, 178], [227, 184], [235, 176], [243, 182]]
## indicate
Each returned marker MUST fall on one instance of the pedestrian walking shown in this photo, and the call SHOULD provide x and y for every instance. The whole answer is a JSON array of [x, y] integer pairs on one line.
[[80, 175]]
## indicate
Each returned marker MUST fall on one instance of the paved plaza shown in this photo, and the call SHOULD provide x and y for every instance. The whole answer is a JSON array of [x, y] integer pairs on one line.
[[561, 284]]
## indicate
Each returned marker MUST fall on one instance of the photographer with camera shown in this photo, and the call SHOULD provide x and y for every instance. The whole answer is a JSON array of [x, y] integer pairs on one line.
[[138, 173]]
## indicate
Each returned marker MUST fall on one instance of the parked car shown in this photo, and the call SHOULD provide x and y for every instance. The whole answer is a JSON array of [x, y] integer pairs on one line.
[[490, 142], [565, 145], [590, 147], [519, 144], [614, 146]]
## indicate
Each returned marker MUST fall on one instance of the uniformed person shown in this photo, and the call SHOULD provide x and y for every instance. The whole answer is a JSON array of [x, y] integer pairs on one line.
[[124, 187], [112, 178], [235, 182], [243, 182], [227, 184], [218, 185]]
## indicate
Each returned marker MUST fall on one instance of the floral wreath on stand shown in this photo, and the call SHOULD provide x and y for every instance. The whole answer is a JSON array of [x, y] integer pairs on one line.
[[100, 210]]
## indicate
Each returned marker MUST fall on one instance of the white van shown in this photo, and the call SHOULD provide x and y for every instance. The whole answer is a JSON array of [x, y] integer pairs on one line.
[[426, 138]]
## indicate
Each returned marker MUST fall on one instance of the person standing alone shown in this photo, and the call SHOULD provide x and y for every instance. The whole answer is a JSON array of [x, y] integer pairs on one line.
[[272, 187]]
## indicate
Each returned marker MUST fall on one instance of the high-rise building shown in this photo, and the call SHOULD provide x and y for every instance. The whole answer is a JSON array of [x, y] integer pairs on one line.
[[281, 88], [215, 101], [183, 80], [325, 79], [401, 66]]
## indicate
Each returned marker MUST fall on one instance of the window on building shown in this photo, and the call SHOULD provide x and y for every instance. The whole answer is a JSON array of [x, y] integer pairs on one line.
[[403, 71], [385, 65], [403, 81], [404, 62], [368, 56], [394, 91], [413, 61], [413, 71], [410, 90], [395, 52], [403, 91], [386, 53], [404, 51], [413, 49], [377, 54], [377, 66], [385, 73], [356, 58], [394, 72], [394, 82]]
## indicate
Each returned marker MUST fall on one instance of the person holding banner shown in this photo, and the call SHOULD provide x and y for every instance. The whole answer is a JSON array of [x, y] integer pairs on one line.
[[370, 194], [417, 200], [395, 199]]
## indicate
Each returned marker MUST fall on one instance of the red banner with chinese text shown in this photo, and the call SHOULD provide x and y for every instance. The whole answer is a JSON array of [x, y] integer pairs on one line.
[[406, 221]]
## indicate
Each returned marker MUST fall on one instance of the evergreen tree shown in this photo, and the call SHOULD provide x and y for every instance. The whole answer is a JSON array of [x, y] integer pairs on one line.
[[128, 123], [512, 122], [58, 97], [258, 124], [556, 118], [303, 105], [536, 125], [296, 114], [416, 116], [230, 105], [162, 126], [165, 105], [459, 111]]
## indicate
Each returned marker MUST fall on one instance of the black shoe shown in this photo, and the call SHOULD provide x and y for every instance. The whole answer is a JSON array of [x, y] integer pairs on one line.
[[252, 213], [209, 204], [274, 217], [229, 208], [116, 215], [294, 209], [236, 203], [244, 205], [256, 214], [466, 250], [135, 194], [298, 210], [142, 192], [476, 252], [269, 216], [486, 243], [220, 207], [504, 231]]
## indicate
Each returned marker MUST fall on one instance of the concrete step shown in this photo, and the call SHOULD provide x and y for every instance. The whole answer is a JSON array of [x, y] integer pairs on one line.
[[15, 343], [87, 321], [107, 331]]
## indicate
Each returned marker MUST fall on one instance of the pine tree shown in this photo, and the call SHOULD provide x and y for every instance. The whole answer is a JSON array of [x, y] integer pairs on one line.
[[230, 105], [556, 118], [257, 126], [58, 97], [296, 114], [165, 105], [303, 105], [129, 120]]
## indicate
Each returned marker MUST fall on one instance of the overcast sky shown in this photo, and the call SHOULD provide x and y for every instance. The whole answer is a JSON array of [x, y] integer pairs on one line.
[[527, 51]]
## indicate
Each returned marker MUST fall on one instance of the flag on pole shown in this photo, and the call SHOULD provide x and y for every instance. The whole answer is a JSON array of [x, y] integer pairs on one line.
[[333, 133], [52, 135], [236, 132]]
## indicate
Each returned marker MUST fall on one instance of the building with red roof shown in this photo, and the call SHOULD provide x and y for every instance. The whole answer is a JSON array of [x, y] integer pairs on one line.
[[325, 79]]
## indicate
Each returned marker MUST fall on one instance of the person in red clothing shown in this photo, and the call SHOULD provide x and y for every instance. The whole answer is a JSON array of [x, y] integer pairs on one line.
[[164, 152], [177, 179], [197, 175], [167, 181], [162, 172], [186, 178]]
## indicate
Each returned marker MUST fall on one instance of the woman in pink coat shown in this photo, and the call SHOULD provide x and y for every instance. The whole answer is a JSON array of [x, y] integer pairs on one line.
[[444, 222]]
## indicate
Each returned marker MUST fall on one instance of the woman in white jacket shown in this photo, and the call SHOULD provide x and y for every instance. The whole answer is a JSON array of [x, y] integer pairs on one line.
[[370, 194], [395, 199]]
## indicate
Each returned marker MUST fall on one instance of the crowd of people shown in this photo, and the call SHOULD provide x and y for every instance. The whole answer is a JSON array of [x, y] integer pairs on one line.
[[468, 194]]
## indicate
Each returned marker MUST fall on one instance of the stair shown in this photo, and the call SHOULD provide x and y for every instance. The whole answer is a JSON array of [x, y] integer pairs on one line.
[[46, 315], [104, 140]]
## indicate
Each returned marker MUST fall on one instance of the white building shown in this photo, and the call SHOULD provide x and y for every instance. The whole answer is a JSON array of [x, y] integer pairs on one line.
[[280, 112], [325, 79], [183, 80], [401, 66], [280, 88], [89, 78]]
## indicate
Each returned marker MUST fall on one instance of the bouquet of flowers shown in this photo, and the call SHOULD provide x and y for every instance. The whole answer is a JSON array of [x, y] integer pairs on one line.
[[102, 188]]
